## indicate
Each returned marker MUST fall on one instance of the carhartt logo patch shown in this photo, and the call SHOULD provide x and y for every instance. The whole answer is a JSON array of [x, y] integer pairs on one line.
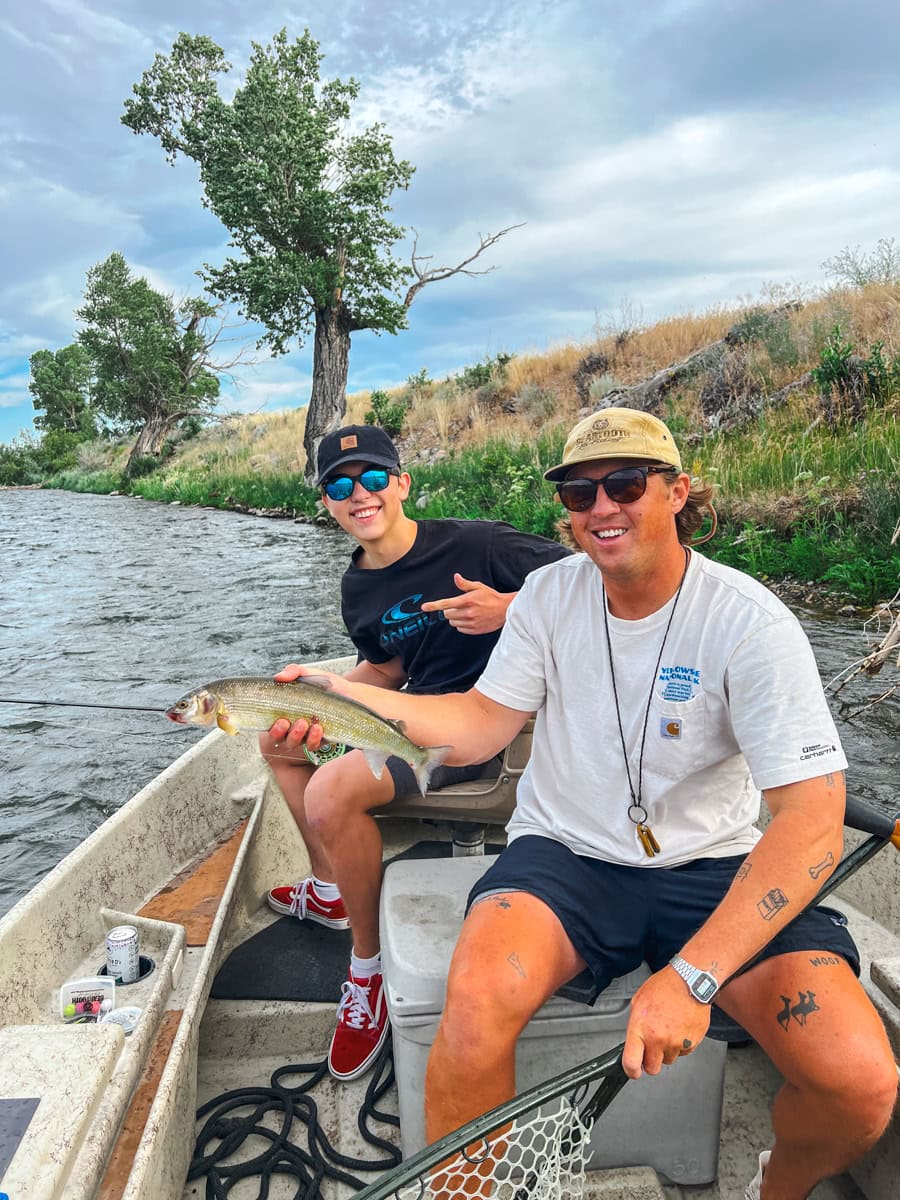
[[349, 442], [670, 727]]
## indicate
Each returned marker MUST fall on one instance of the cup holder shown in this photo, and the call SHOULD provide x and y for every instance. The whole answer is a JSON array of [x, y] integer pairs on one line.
[[146, 966]]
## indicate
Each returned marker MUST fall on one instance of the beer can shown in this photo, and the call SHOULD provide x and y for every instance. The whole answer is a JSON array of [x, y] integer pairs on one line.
[[122, 954]]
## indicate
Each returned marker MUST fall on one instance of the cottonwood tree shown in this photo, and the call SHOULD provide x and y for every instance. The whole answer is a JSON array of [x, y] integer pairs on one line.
[[61, 385], [305, 199], [151, 357]]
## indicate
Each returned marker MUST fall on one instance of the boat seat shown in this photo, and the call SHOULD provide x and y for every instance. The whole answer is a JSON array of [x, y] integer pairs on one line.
[[488, 801]]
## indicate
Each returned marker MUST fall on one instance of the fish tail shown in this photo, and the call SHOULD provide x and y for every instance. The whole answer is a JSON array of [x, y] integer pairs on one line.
[[434, 756]]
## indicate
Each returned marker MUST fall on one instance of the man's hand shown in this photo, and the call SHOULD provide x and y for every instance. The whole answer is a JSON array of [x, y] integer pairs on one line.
[[665, 1023], [480, 609]]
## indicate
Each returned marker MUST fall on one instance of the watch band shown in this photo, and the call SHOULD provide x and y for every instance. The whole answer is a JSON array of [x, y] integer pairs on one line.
[[702, 985]]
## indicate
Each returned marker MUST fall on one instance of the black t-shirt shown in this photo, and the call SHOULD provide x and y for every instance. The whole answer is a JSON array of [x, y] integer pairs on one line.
[[381, 607]]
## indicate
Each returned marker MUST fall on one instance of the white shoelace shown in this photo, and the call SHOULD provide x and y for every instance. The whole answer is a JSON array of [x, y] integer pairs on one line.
[[299, 902], [354, 1007]]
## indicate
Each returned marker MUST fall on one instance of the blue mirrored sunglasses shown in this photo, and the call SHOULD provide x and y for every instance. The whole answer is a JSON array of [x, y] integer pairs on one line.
[[375, 479]]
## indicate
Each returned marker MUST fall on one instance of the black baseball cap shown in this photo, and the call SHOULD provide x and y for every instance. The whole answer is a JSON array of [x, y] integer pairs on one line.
[[356, 443]]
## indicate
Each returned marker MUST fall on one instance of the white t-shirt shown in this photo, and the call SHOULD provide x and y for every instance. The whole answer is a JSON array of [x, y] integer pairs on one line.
[[737, 707]]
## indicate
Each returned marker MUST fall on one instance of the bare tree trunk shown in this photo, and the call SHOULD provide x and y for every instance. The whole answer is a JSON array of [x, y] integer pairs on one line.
[[328, 399], [150, 439]]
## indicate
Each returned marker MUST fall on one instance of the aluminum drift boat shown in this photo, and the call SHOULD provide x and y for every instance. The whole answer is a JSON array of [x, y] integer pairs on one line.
[[88, 1113]]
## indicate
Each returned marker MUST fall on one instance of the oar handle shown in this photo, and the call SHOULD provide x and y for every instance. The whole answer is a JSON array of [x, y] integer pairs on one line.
[[870, 820]]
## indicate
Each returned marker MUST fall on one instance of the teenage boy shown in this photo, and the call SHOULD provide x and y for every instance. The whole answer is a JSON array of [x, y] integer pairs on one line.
[[423, 602]]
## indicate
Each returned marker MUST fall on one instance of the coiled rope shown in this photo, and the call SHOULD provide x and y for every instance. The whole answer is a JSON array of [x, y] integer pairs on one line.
[[310, 1162]]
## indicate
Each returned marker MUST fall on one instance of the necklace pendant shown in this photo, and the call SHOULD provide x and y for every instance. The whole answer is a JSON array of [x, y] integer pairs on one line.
[[647, 840]]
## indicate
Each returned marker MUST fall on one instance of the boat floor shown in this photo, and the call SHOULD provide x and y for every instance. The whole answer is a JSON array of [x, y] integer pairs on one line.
[[242, 1043], [750, 1084]]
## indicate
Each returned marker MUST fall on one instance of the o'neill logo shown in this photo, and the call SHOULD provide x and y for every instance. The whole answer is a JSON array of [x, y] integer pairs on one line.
[[405, 619], [399, 612]]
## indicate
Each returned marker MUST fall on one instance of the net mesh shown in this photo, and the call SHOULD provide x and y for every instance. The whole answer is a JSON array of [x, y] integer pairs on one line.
[[539, 1156]]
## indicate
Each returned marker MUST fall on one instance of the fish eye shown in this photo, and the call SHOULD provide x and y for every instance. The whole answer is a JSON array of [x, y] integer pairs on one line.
[[182, 704]]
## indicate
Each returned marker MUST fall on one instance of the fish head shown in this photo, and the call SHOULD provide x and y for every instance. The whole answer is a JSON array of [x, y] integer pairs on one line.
[[195, 708]]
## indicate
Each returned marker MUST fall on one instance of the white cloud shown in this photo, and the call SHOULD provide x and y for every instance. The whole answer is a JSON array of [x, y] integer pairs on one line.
[[93, 25], [652, 151], [62, 60], [13, 389]]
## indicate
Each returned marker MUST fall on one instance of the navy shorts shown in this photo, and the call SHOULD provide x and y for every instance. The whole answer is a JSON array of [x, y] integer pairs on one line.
[[405, 783], [618, 917]]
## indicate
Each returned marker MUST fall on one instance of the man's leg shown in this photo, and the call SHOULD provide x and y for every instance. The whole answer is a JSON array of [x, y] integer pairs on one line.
[[812, 1017], [512, 955]]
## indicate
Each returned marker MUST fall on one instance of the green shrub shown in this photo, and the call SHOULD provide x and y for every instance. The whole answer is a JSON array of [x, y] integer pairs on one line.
[[536, 403], [833, 372], [386, 413], [481, 374]]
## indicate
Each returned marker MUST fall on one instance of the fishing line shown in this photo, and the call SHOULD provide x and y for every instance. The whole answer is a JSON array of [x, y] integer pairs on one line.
[[82, 704]]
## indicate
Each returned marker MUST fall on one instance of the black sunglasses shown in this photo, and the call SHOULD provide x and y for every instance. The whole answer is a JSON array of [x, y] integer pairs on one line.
[[374, 479], [623, 486]]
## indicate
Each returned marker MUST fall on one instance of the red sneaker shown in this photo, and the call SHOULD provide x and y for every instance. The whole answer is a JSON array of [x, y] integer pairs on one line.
[[361, 1029], [302, 901]]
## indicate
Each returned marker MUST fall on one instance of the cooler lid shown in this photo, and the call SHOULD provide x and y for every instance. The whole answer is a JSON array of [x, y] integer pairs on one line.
[[422, 909]]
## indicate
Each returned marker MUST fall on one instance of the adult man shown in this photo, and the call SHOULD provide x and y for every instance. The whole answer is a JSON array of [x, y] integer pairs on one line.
[[668, 689], [437, 646]]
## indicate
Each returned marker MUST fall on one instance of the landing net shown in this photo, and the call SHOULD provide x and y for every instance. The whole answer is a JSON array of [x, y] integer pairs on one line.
[[535, 1147]]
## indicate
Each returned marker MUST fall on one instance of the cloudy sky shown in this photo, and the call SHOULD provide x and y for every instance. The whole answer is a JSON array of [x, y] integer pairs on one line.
[[663, 156]]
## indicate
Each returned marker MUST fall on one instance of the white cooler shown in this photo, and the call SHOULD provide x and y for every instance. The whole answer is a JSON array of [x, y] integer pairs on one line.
[[669, 1122]]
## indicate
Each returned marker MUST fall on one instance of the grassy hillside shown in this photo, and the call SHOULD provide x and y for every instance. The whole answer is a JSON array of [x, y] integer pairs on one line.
[[808, 487]]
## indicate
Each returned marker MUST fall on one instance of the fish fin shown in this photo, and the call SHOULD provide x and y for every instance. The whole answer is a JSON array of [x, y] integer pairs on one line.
[[436, 755], [224, 723], [319, 681], [376, 760]]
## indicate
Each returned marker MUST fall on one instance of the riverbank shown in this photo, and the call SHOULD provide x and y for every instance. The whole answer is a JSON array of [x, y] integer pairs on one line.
[[792, 412]]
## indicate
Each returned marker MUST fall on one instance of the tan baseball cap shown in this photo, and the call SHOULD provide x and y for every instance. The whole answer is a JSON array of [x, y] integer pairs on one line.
[[617, 433]]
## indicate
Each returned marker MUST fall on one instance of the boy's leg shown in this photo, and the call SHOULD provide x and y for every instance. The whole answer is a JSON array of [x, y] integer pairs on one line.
[[293, 772], [812, 1017], [512, 955], [337, 801]]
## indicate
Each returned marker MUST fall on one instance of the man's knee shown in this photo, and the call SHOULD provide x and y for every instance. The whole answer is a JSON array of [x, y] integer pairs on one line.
[[480, 1018], [869, 1093]]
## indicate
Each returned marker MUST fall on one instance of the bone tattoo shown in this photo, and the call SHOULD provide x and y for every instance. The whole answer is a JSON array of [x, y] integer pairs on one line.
[[827, 861]]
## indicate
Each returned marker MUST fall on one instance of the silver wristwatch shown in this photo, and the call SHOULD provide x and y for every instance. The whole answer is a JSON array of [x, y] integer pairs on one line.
[[702, 985]]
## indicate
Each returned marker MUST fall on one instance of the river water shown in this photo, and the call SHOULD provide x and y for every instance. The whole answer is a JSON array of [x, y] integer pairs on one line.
[[112, 600]]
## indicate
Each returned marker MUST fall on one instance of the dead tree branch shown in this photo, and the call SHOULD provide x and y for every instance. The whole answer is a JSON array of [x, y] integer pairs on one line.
[[425, 275]]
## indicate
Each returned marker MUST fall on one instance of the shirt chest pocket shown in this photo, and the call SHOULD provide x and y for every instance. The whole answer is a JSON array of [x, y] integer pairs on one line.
[[677, 743]]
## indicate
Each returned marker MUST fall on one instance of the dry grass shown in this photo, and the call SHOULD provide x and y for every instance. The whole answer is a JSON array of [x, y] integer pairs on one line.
[[446, 415], [634, 355], [552, 369]]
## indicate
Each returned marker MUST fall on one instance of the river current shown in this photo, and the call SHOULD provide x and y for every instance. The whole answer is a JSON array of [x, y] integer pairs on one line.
[[112, 600]]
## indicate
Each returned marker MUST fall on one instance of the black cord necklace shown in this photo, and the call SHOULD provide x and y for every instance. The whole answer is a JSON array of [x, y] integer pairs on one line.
[[637, 813]]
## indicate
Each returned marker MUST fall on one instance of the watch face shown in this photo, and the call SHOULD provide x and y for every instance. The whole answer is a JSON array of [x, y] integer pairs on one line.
[[704, 987]]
